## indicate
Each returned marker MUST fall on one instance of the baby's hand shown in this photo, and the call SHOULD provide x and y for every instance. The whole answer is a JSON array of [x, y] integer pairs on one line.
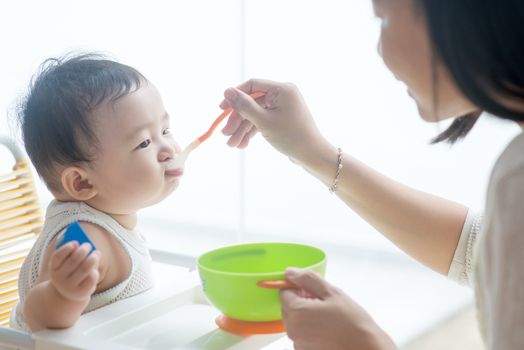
[[73, 271]]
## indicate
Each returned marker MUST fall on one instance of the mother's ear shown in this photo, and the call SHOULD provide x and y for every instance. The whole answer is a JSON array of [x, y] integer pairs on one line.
[[76, 184]]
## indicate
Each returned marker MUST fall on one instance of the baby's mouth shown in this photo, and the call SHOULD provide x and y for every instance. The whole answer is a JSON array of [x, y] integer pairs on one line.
[[174, 172], [178, 162]]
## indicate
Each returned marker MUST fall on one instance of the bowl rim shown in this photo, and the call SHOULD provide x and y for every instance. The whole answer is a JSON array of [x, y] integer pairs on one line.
[[259, 274]]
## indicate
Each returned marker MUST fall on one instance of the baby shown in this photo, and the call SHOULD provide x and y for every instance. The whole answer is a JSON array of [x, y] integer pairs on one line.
[[98, 135]]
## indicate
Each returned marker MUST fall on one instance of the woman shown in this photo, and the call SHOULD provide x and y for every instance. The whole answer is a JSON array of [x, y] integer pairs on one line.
[[458, 58]]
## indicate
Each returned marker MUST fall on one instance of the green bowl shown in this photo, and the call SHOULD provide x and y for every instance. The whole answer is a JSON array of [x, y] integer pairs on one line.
[[230, 275]]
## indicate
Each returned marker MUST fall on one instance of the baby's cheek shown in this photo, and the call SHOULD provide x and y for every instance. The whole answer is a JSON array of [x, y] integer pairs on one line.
[[150, 176]]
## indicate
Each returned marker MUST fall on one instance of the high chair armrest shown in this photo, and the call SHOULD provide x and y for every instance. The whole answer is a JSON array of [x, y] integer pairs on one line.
[[12, 146], [171, 258], [14, 339]]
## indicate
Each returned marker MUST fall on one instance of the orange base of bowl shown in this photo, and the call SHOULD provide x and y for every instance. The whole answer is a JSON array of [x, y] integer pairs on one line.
[[249, 328]]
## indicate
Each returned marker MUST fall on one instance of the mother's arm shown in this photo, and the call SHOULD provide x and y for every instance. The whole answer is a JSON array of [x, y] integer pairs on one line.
[[425, 226]]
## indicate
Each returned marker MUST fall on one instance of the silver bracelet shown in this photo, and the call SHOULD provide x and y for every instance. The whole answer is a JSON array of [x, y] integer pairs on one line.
[[333, 187]]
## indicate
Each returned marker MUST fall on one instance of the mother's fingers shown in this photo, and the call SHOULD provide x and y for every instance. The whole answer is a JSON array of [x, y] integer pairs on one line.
[[237, 137], [233, 122], [253, 85], [235, 119], [310, 281], [250, 134], [290, 298]]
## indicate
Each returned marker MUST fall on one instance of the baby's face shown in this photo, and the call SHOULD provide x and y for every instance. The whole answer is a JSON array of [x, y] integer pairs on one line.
[[135, 147]]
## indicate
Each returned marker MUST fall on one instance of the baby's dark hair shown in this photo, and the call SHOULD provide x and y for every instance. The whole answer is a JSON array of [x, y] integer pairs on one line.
[[54, 116]]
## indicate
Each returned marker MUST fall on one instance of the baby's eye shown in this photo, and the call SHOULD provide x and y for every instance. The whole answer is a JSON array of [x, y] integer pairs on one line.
[[166, 131], [144, 144]]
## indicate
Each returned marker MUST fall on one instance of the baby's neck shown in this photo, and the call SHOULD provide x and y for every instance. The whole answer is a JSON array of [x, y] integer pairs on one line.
[[128, 221]]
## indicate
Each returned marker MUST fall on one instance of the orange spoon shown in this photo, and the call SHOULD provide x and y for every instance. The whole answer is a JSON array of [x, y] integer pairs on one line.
[[180, 160]]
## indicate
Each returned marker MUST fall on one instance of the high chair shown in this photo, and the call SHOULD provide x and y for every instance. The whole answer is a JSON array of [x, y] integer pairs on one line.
[[20, 223]]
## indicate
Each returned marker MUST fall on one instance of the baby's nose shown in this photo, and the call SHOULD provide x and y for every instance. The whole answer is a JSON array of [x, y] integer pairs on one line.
[[166, 154]]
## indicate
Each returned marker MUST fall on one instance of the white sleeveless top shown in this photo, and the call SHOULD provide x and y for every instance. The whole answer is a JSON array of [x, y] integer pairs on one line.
[[59, 215]]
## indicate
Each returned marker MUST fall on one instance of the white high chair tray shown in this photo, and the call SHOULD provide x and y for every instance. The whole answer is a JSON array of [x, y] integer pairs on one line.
[[173, 315]]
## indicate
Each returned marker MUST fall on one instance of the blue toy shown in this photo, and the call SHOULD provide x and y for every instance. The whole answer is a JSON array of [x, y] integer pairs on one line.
[[74, 233]]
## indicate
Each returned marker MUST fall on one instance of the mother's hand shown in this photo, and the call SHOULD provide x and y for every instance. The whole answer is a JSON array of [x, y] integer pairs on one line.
[[321, 316], [281, 115]]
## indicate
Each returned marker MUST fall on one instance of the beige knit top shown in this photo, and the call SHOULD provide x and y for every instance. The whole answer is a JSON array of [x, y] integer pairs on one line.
[[494, 263], [58, 216]]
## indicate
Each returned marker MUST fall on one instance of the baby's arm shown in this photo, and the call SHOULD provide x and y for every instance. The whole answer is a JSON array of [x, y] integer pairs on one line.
[[69, 276], [60, 300]]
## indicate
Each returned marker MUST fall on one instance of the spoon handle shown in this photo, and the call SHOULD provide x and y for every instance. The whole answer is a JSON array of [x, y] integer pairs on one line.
[[226, 113]]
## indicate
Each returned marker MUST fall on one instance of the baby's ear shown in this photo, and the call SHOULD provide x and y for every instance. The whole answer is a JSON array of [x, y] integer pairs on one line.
[[76, 183]]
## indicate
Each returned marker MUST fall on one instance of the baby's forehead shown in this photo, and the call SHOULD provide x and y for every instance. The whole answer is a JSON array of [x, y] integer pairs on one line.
[[128, 113], [107, 122]]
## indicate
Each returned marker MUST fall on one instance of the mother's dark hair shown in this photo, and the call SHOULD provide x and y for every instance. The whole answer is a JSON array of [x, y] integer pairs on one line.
[[481, 42]]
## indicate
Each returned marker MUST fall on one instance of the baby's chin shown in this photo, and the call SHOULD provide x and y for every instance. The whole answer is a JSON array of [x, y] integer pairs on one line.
[[159, 197], [170, 188]]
